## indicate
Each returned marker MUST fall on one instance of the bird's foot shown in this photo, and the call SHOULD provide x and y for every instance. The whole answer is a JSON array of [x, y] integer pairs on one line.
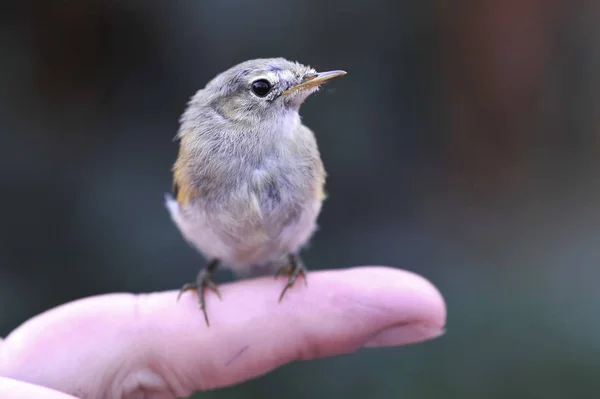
[[202, 283], [294, 268]]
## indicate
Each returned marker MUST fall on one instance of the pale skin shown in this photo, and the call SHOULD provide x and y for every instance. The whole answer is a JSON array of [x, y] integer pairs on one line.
[[150, 345]]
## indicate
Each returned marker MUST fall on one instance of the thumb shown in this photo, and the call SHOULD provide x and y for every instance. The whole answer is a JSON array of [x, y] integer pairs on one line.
[[10, 388]]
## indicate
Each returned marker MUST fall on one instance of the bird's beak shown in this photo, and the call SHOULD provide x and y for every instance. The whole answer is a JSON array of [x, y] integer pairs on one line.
[[314, 79]]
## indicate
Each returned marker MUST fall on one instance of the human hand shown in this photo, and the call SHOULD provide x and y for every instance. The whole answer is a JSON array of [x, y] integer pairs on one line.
[[124, 345]]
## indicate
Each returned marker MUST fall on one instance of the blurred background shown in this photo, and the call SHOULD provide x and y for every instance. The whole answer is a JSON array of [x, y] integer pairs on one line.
[[463, 145]]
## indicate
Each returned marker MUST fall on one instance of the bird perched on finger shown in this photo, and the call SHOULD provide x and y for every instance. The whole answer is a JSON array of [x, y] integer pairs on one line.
[[248, 183]]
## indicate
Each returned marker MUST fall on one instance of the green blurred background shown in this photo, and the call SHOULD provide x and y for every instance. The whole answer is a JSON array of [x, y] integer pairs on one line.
[[463, 145]]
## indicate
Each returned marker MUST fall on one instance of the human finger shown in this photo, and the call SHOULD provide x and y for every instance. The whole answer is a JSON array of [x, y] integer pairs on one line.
[[120, 344]]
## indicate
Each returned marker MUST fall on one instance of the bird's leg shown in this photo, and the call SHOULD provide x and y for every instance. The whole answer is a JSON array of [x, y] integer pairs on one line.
[[203, 281], [294, 268]]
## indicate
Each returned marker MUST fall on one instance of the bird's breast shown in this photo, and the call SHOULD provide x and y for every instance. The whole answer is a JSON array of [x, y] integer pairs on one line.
[[261, 178], [255, 208]]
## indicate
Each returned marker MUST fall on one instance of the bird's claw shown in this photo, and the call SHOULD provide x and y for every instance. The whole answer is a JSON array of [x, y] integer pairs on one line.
[[202, 283], [293, 269]]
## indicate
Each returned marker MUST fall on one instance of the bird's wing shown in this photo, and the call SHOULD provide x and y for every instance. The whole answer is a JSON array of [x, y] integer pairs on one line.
[[183, 189]]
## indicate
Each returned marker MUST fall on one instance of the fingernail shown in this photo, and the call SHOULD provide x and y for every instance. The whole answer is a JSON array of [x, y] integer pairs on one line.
[[404, 334]]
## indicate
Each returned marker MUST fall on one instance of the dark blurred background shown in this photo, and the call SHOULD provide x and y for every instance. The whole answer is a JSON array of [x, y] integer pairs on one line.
[[463, 145]]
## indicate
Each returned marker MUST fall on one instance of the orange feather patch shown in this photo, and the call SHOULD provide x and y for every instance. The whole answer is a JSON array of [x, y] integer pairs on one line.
[[183, 190]]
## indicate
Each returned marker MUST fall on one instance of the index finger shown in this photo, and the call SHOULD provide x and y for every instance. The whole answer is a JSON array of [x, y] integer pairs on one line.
[[128, 342]]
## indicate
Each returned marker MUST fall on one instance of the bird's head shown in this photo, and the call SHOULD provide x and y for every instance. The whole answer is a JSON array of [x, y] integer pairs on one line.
[[262, 89]]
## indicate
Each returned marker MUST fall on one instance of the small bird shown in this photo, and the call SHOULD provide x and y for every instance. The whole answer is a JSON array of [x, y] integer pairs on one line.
[[248, 182]]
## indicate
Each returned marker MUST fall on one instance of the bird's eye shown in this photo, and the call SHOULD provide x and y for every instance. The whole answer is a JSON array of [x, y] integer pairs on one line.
[[261, 87]]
